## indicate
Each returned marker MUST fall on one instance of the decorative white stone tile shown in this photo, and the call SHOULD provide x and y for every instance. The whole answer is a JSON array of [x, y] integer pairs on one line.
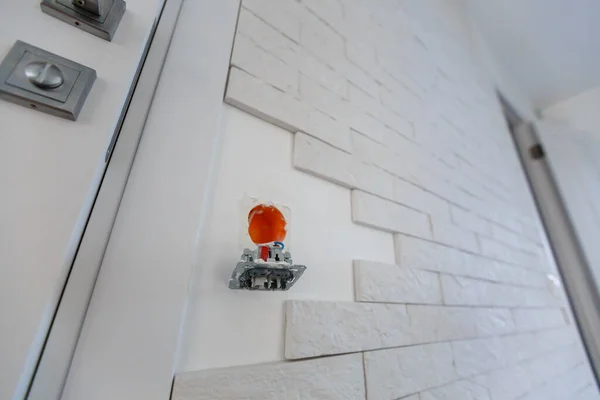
[[377, 282], [283, 15], [249, 57], [519, 379], [568, 385], [419, 199], [394, 373], [267, 37], [476, 356], [315, 328], [535, 319], [436, 324], [467, 291], [389, 216], [495, 249], [452, 235], [331, 378], [319, 159], [470, 221], [463, 390], [416, 253], [321, 40], [261, 99]]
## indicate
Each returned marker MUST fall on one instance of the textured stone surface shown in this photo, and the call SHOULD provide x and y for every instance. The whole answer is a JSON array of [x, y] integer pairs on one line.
[[332, 378], [417, 253], [527, 376], [454, 236], [315, 328], [415, 197], [433, 323], [326, 162], [463, 390], [530, 320], [470, 221], [467, 291], [394, 373], [377, 282], [477, 356], [498, 250], [283, 109], [383, 214], [251, 58], [567, 385], [284, 15]]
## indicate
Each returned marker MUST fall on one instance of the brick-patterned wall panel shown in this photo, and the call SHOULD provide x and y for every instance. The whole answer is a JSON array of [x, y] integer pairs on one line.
[[395, 86], [331, 378], [388, 99], [395, 373], [421, 254], [445, 370], [468, 291], [316, 328], [377, 282]]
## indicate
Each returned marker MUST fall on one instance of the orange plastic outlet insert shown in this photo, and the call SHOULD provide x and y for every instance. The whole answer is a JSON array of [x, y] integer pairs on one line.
[[266, 224]]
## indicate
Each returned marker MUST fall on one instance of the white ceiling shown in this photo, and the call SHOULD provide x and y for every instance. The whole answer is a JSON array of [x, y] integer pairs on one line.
[[550, 47]]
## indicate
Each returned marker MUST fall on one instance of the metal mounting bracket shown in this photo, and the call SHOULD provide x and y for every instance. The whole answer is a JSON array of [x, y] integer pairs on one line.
[[98, 17]]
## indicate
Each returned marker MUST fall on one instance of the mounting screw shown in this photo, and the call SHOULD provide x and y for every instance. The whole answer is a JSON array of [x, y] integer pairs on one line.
[[536, 151]]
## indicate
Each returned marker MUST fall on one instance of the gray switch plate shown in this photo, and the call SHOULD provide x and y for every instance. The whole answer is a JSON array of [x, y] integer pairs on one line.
[[64, 101], [103, 25]]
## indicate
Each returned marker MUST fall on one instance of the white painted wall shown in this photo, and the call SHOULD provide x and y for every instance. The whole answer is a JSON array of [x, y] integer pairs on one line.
[[550, 47], [579, 112], [256, 160], [49, 172]]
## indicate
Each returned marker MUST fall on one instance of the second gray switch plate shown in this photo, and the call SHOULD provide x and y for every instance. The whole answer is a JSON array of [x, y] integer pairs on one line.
[[20, 84], [103, 25]]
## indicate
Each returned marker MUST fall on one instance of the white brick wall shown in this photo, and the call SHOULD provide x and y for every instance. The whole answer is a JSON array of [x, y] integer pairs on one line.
[[316, 328], [332, 378], [386, 215], [377, 282], [391, 374], [529, 320], [527, 376], [283, 109], [463, 390], [387, 99], [467, 291], [322, 160], [421, 254]]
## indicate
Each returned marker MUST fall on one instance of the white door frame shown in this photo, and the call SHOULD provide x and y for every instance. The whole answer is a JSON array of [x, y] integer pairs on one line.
[[128, 344], [53, 366]]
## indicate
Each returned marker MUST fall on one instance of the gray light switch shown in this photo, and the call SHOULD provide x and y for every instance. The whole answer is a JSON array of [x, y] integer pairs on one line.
[[37, 79]]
